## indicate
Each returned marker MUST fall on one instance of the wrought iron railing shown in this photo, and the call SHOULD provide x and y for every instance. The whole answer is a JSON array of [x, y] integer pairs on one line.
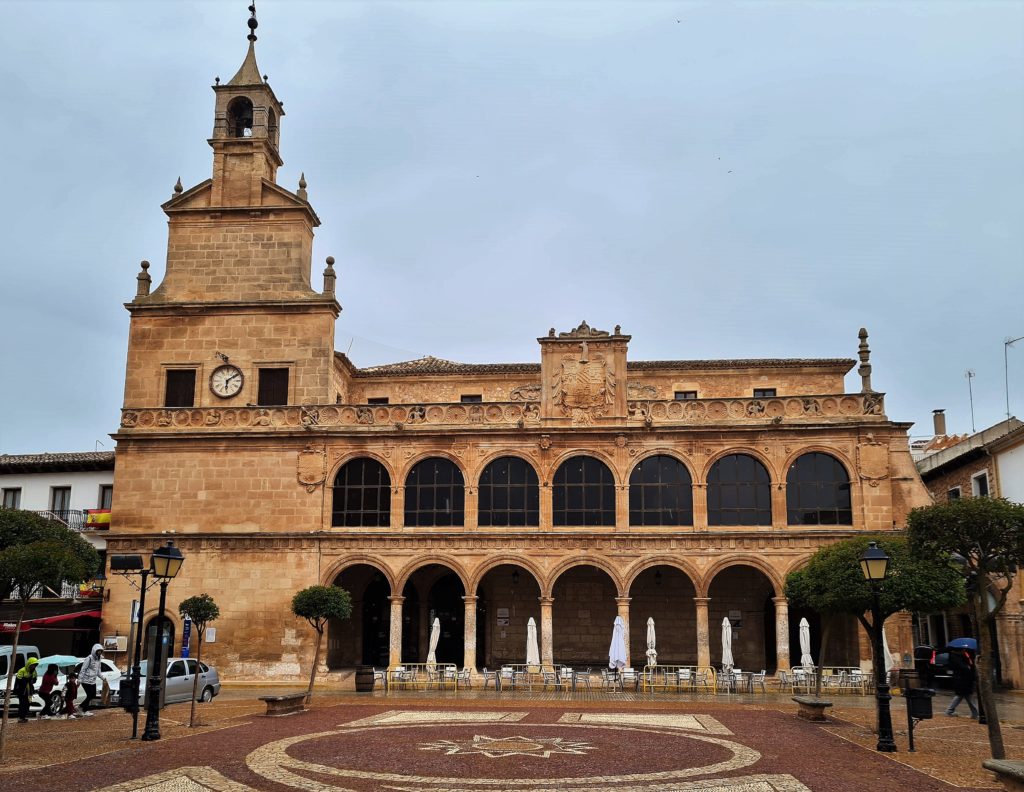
[[72, 518]]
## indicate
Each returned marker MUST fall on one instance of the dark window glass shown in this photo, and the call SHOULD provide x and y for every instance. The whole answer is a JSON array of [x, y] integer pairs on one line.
[[684, 395], [660, 493], [60, 499], [583, 493], [106, 496], [362, 494], [818, 491], [434, 494], [979, 486], [739, 492], [471, 398], [12, 498], [181, 388], [764, 393], [953, 494], [273, 388], [509, 493], [377, 400]]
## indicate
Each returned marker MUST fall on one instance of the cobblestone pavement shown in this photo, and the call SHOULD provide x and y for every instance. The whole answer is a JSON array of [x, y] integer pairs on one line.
[[484, 742]]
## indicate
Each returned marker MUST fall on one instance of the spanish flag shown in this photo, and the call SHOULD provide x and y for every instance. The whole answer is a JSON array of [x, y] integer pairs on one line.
[[97, 519]]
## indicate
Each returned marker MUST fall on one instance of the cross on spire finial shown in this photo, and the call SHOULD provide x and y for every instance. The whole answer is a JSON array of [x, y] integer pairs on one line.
[[253, 23]]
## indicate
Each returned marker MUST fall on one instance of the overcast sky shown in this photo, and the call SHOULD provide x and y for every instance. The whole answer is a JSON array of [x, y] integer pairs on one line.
[[723, 180]]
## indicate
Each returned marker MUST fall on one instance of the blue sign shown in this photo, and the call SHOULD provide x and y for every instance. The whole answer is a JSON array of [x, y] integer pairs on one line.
[[186, 633]]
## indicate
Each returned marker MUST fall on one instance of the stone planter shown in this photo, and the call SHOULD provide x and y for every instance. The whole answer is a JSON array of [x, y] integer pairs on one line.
[[811, 708], [1009, 772]]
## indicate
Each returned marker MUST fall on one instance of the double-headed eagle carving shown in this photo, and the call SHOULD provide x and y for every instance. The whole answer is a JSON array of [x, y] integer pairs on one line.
[[584, 388]]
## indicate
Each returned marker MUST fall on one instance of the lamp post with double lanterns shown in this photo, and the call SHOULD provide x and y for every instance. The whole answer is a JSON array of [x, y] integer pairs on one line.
[[164, 564], [874, 563]]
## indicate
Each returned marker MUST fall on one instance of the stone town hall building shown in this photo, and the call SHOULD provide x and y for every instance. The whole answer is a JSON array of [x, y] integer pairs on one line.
[[571, 489]]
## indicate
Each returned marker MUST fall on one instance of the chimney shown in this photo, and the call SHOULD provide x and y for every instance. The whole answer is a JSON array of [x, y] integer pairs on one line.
[[939, 419]]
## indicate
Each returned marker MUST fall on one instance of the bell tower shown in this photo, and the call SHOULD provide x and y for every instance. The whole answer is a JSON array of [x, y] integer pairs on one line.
[[237, 293], [246, 131]]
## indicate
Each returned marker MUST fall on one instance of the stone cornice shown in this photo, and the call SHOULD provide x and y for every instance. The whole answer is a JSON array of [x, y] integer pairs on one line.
[[176, 309]]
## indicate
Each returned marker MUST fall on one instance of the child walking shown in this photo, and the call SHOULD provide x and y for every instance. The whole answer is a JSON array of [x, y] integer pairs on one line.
[[46, 686], [70, 694]]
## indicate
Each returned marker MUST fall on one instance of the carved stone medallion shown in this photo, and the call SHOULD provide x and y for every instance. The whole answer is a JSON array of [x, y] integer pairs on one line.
[[873, 462], [311, 468]]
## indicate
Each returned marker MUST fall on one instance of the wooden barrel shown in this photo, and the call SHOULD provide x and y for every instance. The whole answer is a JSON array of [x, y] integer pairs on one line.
[[364, 679]]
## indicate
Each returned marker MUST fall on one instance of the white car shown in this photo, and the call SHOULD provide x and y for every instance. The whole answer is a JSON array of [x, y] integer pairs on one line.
[[55, 702], [179, 679]]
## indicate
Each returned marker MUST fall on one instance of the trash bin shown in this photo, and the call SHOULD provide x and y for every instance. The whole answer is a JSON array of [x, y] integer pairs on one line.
[[919, 702]]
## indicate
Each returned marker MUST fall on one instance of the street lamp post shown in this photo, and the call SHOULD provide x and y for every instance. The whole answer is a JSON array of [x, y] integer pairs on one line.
[[164, 564], [874, 563], [126, 566]]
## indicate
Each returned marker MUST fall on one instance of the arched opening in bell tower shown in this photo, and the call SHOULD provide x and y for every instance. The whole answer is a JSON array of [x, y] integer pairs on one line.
[[240, 117]]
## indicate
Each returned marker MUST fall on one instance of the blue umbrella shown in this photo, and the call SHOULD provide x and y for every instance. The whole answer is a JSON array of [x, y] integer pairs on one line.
[[58, 660], [963, 643]]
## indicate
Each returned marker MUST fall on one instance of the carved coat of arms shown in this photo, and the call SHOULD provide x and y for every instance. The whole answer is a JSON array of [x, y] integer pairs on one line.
[[584, 388], [873, 462], [311, 467]]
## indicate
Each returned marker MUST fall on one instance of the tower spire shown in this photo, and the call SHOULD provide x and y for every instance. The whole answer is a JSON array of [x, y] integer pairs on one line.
[[253, 22]]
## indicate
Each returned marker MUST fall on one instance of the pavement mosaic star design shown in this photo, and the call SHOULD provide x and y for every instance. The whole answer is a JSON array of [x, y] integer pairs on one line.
[[498, 747]]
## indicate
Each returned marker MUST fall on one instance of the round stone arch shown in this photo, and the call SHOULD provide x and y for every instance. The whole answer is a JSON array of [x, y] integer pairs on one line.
[[777, 584], [837, 454], [415, 460], [668, 452], [548, 585], [773, 474], [631, 574], [339, 566], [601, 456], [402, 578], [503, 560], [478, 471], [351, 456]]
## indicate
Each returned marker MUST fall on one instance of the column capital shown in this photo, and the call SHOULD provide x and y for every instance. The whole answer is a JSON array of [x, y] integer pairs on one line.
[[780, 602], [545, 600], [702, 600], [622, 600], [469, 599], [397, 599]]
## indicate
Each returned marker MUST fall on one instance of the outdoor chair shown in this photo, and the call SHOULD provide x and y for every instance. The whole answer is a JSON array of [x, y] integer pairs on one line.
[[609, 680], [630, 678], [684, 678], [380, 675], [508, 678], [582, 677], [549, 678], [566, 678], [464, 678], [759, 679], [490, 676]]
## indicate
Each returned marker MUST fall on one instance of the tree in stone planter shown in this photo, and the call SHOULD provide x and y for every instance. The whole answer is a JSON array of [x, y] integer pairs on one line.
[[201, 610], [832, 583], [985, 537], [35, 554], [317, 605]]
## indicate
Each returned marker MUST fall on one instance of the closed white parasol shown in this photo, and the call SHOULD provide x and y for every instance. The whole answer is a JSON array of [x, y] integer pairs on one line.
[[727, 661], [652, 654], [532, 652], [435, 636], [805, 645], [617, 650]]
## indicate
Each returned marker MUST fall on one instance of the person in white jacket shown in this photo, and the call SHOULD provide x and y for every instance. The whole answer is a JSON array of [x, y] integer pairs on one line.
[[89, 675]]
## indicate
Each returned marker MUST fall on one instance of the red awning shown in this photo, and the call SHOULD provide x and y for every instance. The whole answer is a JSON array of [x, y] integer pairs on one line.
[[46, 621]]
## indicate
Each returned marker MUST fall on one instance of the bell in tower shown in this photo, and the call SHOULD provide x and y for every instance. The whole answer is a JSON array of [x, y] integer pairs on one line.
[[245, 131]]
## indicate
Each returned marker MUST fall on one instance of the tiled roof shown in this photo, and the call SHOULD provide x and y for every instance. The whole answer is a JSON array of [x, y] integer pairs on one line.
[[434, 365], [60, 462]]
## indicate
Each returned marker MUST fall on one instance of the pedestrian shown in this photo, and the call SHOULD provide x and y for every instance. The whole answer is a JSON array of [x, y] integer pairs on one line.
[[962, 663], [24, 687], [46, 686], [88, 675], [70, 694]]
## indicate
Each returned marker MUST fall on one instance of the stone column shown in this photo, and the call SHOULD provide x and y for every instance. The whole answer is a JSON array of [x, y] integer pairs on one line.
[[703, 638], [469, 636], [700, 506], [547, 650], [397, 507], [623, 605], [395, 647], [780, 515], [781, 633]]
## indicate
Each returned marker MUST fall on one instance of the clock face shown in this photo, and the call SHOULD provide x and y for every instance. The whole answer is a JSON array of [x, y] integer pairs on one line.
[[226, 381]]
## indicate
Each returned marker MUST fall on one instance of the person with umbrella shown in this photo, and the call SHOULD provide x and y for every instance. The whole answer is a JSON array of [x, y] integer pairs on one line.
[[961, 661]]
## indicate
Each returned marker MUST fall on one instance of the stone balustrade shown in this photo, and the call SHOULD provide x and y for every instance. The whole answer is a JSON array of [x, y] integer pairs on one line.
[[696, 412]]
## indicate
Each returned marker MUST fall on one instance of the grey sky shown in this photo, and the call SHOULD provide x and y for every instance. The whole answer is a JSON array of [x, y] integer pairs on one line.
[[723, 180]]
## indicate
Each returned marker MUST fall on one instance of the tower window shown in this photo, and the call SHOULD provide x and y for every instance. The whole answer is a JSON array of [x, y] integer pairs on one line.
[[377, 400], [764, 393], [273, 388], [684, 395], [471, 398], [240, 117], [181, 388]]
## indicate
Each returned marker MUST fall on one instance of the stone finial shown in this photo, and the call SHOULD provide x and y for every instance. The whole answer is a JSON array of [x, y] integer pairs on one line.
[[551, 333], [216, 80], [178, 189], [144, 281], [302, 187], [864, 352], [618, 330], [252, 23], [329, 276]]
